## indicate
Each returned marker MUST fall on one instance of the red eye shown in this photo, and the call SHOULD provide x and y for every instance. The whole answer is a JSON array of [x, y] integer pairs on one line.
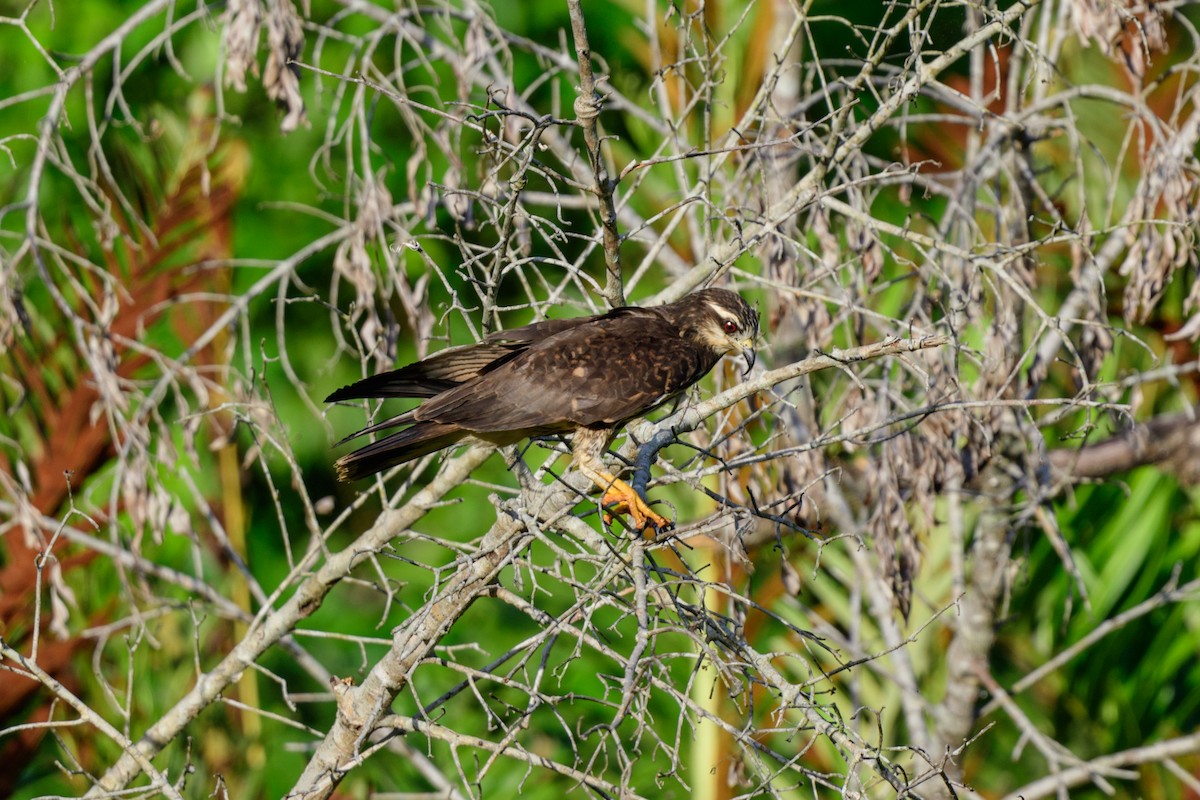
[[730, 326]]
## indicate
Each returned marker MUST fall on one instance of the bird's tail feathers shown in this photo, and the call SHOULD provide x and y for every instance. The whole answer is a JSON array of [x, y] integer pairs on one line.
[[412, 443], [406, 382], [391, 422]]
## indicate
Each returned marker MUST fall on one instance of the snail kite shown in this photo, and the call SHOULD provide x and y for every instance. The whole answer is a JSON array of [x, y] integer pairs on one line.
[[587, 376]]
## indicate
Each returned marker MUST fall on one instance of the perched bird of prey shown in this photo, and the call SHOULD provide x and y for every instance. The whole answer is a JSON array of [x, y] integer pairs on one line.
[[586, 376]]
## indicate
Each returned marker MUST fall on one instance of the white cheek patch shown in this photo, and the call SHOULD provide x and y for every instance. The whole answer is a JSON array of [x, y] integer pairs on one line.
[[715, 338]]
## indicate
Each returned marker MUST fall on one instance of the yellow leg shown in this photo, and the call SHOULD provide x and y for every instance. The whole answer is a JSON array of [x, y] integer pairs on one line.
[[619, 497]]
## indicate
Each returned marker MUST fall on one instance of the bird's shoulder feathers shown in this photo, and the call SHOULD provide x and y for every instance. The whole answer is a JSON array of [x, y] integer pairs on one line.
[[618, 366]]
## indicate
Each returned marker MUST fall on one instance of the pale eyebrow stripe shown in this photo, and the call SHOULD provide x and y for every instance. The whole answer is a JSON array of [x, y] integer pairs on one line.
[[723, 313]]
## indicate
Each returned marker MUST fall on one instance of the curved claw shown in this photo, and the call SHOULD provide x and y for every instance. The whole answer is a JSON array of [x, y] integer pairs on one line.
[[622, 499]]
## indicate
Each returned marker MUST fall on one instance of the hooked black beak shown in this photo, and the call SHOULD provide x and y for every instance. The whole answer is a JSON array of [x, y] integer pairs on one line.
[[749, 353]]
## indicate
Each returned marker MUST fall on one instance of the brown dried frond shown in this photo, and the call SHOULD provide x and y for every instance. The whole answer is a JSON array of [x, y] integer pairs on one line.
[[1168, 206], [66, 382], [1131, 29], [285, 42]]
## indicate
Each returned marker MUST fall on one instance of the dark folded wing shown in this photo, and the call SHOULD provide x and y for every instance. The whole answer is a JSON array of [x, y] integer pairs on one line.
[[620, 366], [434, 375], [457, 365]]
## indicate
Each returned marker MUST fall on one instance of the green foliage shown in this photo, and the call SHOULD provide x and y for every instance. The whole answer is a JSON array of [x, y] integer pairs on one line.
[[238, 431]]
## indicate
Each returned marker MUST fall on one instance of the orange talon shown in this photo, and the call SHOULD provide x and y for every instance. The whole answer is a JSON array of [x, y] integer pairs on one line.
[[621, 498]]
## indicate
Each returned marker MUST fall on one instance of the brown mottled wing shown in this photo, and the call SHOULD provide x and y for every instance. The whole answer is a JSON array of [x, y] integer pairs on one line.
[[618, 367], [454, 366], [427, 378]]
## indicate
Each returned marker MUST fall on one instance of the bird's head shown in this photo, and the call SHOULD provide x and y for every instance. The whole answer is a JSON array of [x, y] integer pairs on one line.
[[721, 320]]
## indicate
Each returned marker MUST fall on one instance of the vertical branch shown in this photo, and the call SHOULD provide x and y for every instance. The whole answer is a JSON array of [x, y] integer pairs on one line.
[[587, 110], [975, 627]]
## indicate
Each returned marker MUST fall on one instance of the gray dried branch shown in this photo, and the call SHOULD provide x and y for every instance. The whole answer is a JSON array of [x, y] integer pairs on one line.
[[272, 624], [1088, 771], [1171, 440]]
